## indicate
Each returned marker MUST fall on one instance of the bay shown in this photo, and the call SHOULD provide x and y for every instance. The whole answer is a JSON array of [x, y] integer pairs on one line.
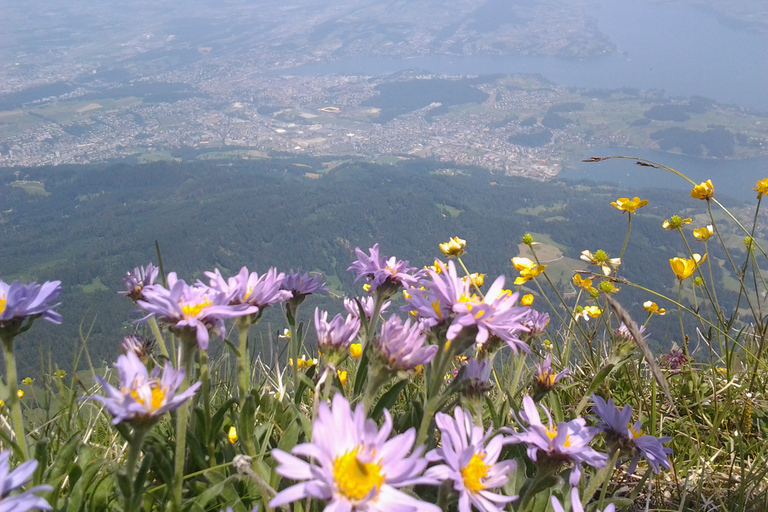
[[681, 50], [734, 178]]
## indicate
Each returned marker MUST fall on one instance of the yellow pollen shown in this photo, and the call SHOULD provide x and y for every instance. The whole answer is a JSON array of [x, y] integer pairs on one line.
[[193, 310], [551, 432], [248, 293], [3, 302], [436, 307], [158, 396], [634, 433], [474, 472], [355, 479]]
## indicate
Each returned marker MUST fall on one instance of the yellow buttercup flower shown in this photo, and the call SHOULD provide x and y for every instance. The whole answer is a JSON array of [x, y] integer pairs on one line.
[[629, 205], [606, 263], [527, 299], [703, 234], [342, 376], [453, 247], [527, 268], [356, 350], [653, 308], [683, 268], [675, 222], [704, 190], [367, 287], [761, 187], [582, 283], [232, 435], [28, 381], [20, 393], [477, 279], [593, 311]]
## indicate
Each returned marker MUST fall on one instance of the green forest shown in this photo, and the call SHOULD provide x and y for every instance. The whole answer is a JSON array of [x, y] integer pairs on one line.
[[97, 222]]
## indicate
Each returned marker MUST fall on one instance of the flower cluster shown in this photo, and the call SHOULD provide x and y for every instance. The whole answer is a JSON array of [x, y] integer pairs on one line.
[[382, 272]]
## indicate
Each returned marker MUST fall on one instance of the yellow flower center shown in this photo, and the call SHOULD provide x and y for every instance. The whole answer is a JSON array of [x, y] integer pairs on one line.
[[355, 479], [158, 396], [474, 472], [633, 432], [193, 310], [552, 433], [3, 302], [436, 307]]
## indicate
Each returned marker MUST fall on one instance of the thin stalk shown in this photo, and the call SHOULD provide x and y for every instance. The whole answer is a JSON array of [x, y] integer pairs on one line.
[[477, 288], [134, 451], [158, 336], [626, 238], [243, 359], [206, 392], [15, 403], [186, 360]]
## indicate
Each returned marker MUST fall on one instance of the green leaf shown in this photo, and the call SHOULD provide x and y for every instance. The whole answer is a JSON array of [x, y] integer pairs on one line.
[[388, 399], [218, 419], [289, 437]]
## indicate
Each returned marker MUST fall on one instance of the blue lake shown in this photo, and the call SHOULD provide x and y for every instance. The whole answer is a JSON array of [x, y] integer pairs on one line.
[[684, 51]]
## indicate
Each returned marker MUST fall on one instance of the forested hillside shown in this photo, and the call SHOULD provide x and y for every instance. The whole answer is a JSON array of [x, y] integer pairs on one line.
[[97, 222]]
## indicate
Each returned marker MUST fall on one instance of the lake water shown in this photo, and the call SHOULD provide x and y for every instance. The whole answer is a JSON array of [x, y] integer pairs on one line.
[[734, 178], [683, 51]]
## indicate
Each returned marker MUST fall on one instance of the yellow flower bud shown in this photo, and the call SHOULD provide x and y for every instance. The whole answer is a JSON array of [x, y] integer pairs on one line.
[[453, 247], [527, 299], [20, 393], [704, 190], [232, 435], [342, 376], [356, 350]]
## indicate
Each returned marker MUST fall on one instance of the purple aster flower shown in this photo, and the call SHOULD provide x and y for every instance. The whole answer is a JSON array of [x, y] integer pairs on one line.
[[139, 345], [623, 435], [495, 316], [443, 289], [142, 397], [536, 323], [545, 378], [301, 285], [556, 444], [379, 271], [367, 303], [336, 334], [624, 333], [402, 345], [448, 298], [354, 467], [250, 288], [478, 373], [136, 281], [13, 480], [576, 505], [19, 302], [471, 461], [191, 310]]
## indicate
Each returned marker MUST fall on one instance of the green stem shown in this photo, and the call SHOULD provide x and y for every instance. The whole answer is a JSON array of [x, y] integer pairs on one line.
[[243, 359], [13, 400], [626, 238], [186, 359], [206, 392], [477, 288], [158, 336], [134, 451]]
